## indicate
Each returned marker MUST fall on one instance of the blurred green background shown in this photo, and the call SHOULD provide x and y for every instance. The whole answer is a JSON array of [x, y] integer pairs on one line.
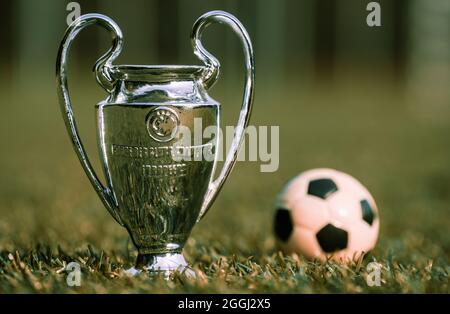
[[370, 101]]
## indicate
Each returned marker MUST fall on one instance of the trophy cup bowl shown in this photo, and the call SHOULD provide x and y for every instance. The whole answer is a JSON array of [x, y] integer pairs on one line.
[[158, 184]]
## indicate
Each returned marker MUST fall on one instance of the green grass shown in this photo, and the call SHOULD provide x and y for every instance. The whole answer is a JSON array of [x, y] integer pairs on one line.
[[50, 215]]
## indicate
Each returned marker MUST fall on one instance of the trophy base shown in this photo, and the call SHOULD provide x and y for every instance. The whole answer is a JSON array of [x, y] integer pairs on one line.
[[161, 264]]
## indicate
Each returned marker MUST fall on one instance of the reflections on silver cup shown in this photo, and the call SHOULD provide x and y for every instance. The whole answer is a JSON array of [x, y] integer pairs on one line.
[[158, 198]]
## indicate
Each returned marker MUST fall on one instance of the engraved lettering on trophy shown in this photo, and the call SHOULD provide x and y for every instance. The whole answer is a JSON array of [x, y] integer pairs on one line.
[[140, 152], [170, 170], [176, 153]]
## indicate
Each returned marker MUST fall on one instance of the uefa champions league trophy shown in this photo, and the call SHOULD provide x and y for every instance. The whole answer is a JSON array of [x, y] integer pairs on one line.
[[156, 197]]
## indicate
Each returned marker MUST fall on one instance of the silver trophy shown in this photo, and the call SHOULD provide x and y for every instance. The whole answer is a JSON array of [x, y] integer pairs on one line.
[[156, 197]]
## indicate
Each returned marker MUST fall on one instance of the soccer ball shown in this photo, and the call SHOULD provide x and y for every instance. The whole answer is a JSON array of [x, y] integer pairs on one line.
[[326, 214]]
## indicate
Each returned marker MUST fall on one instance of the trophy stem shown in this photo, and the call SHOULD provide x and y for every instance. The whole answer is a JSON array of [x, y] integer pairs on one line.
[[165, 264]]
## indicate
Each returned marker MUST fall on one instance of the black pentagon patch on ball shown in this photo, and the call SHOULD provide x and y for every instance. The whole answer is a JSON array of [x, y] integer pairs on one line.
[[332, 239], [322, 188], [368, 213], [283, 224]]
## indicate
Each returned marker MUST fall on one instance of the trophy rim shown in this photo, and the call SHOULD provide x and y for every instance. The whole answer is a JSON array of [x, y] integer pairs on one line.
[[156, 72]]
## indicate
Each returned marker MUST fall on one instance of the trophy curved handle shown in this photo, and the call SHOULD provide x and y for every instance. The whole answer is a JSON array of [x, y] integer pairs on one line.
[[102, 74], [211, 76]]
